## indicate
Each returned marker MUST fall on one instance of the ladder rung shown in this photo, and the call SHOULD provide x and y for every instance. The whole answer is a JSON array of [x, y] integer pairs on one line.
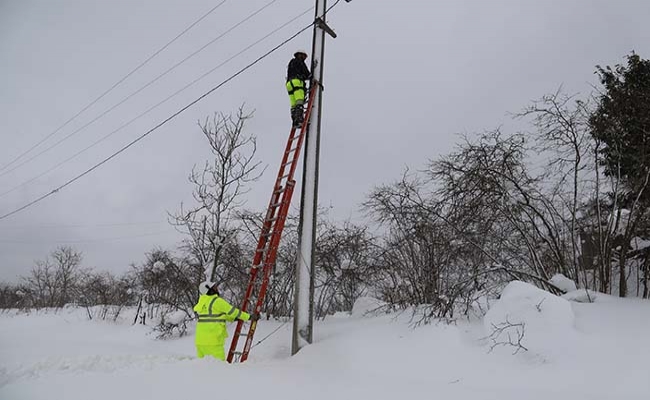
[[293, 148], [237, 353], [284, 176], [282, 189], [276, 204], [287, 163]]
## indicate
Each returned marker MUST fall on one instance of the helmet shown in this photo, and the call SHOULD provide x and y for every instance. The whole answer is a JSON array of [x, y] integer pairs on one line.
[[205, 286], [300, 51]]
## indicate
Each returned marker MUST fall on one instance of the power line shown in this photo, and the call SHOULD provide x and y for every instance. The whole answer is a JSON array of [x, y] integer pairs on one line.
[[110, 89], [174, 115], [269, 335], [119, 103], [75, 155]]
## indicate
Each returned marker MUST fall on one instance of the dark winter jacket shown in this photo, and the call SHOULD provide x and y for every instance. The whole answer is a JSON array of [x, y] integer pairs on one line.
[[298, 70]]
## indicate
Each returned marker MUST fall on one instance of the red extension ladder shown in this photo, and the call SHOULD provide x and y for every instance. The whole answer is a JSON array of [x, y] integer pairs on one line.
[[269, 240]]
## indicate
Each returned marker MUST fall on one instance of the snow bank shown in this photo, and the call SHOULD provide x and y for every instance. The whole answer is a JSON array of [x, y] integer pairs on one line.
[[563, 283], [340, 314], [366, 306], [63, 355], [176, 317], [84, 364], [530, 320], [588, 296]]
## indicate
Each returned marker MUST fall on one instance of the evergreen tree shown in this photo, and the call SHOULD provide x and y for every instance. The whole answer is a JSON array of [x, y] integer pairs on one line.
[[621, 123], [621, 126]]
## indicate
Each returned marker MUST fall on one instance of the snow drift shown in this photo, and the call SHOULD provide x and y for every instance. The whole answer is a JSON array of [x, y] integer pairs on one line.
[[366, 306], [563, 283], [63, 355], [530, 320]]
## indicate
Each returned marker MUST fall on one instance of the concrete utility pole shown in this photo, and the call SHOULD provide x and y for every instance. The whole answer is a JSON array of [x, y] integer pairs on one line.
[[303, 311]]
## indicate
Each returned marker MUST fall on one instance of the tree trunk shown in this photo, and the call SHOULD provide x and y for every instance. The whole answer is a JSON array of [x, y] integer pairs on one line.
[[622, 276]]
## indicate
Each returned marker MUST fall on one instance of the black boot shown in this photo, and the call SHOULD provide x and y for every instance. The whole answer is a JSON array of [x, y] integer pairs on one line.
[[297, 115]]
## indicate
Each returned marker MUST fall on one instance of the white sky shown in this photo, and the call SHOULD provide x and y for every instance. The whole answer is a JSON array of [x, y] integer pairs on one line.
[[401, 80]]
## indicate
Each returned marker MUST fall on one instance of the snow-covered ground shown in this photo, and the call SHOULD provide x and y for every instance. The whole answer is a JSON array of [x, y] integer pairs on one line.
[[574, 351]]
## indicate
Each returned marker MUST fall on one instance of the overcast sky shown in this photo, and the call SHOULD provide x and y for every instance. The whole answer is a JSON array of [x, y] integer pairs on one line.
[[401, 81]]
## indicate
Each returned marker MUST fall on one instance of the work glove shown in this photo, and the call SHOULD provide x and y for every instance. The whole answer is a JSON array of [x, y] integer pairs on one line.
[[255, 316]]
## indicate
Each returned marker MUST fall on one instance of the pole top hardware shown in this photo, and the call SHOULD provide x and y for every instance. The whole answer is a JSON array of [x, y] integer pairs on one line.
[[323, 25]]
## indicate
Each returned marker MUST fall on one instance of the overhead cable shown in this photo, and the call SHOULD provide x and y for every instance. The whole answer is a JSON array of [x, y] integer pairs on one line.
[[174, 115], [151, 82], [75, 155], [101, 96]]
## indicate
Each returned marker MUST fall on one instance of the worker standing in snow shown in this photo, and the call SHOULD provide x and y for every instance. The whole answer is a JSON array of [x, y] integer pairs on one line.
[[297, 74], [213, 312]]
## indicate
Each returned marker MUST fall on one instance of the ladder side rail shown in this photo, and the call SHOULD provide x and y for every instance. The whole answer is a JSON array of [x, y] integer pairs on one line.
[[240, 323], [267, 225], [275, 197], [262, 243], [270, 256], [266, 228], [275, 229], [285, 158], [268, 263]]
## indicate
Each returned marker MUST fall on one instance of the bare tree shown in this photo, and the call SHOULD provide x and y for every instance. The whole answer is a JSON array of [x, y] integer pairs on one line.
[[105, 295], [602, 228], [420, 257], [477, 219], [54, 281], [343, 270], [169, 286], [346, 270], [67, 262], [562, 124], [12, 296], [219, 187], [487, 181]]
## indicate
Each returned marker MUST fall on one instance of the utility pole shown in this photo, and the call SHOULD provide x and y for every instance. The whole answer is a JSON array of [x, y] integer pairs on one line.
[[303, 310]]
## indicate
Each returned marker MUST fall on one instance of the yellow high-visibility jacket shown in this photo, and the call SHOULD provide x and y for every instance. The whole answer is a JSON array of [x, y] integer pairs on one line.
[[214, 312]]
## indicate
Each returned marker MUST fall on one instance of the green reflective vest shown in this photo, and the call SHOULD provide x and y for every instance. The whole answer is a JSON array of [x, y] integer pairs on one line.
[[213, 313]]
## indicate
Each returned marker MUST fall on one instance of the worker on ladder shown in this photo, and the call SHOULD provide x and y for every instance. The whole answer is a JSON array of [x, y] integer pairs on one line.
[[213, 312], [297, 74]]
